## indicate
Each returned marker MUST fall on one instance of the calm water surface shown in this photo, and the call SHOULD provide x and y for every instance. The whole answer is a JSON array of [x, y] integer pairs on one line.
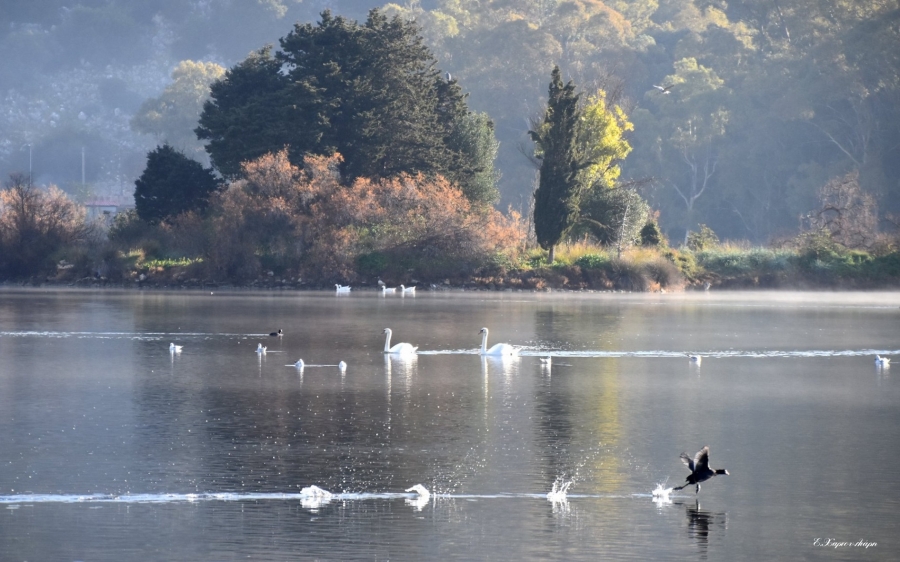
[[112, 448]]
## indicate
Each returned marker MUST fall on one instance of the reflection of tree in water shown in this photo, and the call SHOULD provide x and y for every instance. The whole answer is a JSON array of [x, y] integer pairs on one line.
[[701, 523]]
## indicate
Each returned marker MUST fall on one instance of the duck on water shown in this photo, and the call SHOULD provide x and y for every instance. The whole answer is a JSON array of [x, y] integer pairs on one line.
[[700, 470]]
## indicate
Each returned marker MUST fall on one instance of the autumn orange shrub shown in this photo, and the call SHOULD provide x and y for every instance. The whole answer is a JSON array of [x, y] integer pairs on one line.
[[35, 225], [306, 219]]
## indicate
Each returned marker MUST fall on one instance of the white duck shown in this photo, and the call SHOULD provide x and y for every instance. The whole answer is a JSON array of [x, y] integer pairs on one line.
[[498, 350], [261, 349], [398, 349], [882, 361]]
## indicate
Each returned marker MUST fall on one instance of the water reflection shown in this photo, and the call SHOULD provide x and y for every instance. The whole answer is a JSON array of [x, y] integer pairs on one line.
[[703, 523]]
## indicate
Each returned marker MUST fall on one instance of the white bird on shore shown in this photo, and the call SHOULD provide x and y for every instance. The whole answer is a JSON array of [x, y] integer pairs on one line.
[[261, 349], [175, 348], [398, 349], [500, 349], [882, 361]]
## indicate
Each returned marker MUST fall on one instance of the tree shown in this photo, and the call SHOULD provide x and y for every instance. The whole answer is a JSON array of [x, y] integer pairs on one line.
[[370, 92], [579, 148], [171, 184], [172, 117], [34, 224], [557, 197]]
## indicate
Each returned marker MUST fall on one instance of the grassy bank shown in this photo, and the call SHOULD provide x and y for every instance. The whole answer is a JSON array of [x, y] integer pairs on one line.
[[577, 267]]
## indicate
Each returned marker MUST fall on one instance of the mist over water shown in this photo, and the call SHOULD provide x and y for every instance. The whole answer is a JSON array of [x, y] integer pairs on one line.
[[115, 448]]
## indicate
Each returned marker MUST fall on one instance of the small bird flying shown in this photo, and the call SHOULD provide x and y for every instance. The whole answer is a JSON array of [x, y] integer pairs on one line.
[[664, 89]]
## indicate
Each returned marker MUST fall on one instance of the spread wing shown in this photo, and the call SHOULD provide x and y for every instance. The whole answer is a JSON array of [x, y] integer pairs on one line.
[[701, 460], [688, 461]]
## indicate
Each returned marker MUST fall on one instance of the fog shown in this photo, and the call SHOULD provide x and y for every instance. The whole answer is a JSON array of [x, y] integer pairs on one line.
[[768, 103]]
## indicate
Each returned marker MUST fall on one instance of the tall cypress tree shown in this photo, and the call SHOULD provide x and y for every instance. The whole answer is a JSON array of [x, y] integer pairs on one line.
[[557, 198]]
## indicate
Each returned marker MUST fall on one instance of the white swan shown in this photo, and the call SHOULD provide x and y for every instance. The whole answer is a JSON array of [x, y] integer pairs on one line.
[[261, 349], [500, 349], [547, 361], [299, 364], [388, 290], [408, 290], [175, 348], [342, 288], [398, 349], [342, 366], [882, 361]]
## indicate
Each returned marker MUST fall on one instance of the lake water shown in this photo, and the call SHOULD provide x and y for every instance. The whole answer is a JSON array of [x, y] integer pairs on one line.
[[112, 448]]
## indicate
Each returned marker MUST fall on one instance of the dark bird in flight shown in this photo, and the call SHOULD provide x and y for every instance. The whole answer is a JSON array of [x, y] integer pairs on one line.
[[699, 467], [664, 90]]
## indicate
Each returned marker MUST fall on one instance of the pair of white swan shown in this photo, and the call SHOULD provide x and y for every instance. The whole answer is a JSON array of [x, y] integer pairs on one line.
[[405, 349]]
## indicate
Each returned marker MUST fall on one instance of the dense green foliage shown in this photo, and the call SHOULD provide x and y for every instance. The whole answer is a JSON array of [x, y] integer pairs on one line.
[[370, 92], [770, 101], [557, 197], [171, 184]]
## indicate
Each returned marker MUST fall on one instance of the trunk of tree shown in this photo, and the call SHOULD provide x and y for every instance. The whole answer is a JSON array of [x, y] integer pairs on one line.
[[552, 255]]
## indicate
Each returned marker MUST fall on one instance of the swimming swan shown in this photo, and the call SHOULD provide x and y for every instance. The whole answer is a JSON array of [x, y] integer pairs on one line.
[[407, 290], [500, 349], [388, 290], [260, 348], [400, 348], [175, 348], [882, 361], [342, 288]]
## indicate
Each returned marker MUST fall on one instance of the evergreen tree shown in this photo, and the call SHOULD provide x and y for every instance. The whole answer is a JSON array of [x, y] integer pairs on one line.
[[371, 92], [171, 184], [556, 200]]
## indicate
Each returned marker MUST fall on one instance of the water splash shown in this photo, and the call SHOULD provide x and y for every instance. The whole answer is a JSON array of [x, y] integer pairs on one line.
[[661, 493], [559, 491], [313, 497], [422, 498]]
